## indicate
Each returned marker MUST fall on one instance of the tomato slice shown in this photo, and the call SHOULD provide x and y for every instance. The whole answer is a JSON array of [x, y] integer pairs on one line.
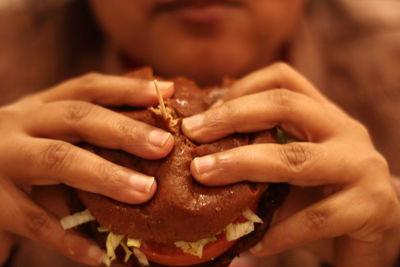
[[169, 254]]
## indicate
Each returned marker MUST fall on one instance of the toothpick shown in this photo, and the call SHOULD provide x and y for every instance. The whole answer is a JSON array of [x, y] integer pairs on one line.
[[160, 100]]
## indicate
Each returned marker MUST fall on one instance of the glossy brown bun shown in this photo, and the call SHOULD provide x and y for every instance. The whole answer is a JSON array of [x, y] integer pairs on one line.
[[181, 209]]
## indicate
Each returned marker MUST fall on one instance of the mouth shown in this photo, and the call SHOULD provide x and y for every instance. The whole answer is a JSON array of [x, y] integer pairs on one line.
[[198, 11]]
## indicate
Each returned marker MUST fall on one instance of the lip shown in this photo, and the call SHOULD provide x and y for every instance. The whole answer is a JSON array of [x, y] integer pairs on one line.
[[197, 11]]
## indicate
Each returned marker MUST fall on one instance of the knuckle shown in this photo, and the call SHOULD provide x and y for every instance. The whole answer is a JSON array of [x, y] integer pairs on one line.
[[284, 99], [217, 119], [361, 129], [56, 155], [7, 116], [281, 67], [87, 83], [283, 71], [37, 223], [374, 162], [90, 78], [316, 219], [294, 156], [129, 132], [76, 111]]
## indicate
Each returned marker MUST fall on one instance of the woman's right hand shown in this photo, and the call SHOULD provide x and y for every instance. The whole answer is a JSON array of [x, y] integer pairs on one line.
[[37, 147]]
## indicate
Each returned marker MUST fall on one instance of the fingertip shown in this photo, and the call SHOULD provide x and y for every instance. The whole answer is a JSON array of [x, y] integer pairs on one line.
[[96, 255], [259, 250], [151, 191], [167, 89], [145, 193], [194, 171], [82, 249], [192, 124], [205, 171], [204, 165], [161, 144], [168, 145], [256, 249], [198, 168]]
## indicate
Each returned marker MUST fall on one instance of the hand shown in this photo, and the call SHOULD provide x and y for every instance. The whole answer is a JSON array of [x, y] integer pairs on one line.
[[6, 244], [359, 206], [37, 144]]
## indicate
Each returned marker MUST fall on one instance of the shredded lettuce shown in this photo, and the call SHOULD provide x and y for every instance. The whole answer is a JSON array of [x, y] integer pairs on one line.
[[101, 229], [251, 216], [76, 219], [237, 230], [128, 252], [194, 248], [140, 256], [112, 243], [132, 242]]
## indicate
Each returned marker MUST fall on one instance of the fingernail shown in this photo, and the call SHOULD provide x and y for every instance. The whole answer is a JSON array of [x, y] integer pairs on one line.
[[141, 183], [96, 254], [158, 138], [193, 123], [204, 164], [257, 248], [164, 86]]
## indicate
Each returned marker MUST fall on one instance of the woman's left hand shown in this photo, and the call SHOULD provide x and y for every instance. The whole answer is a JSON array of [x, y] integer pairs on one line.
[[359, 209]]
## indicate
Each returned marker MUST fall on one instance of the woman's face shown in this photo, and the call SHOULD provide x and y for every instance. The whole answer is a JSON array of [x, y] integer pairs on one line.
[[201, 39]]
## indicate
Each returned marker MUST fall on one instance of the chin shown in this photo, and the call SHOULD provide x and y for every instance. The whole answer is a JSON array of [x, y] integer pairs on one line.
[[205, 65], [205, 58]]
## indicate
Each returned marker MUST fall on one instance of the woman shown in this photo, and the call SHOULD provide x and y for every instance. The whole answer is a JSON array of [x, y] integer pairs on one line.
[[342, 190]]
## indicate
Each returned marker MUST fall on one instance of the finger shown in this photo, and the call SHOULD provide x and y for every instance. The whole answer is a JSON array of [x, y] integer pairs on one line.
[[297, 163], [48, 162], [75, 121], [24, 218], [328, 218], [278, 75], [298, 114], [6, 244], [108, 90]]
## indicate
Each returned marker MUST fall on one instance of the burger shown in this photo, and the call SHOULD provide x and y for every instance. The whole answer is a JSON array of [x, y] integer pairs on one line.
[[185, 223]]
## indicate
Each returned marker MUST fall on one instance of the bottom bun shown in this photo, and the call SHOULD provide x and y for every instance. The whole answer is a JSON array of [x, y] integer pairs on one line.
[[269, 202]]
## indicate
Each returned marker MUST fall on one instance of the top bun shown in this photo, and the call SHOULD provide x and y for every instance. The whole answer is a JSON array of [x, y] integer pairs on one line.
[[181, 209]]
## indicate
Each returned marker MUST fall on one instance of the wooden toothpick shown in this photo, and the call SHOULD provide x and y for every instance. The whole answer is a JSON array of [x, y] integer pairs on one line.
[[160, 100]]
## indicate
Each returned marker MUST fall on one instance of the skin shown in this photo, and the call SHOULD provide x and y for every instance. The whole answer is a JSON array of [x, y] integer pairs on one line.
[[245, 39], [39, 133], [337, 158]]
